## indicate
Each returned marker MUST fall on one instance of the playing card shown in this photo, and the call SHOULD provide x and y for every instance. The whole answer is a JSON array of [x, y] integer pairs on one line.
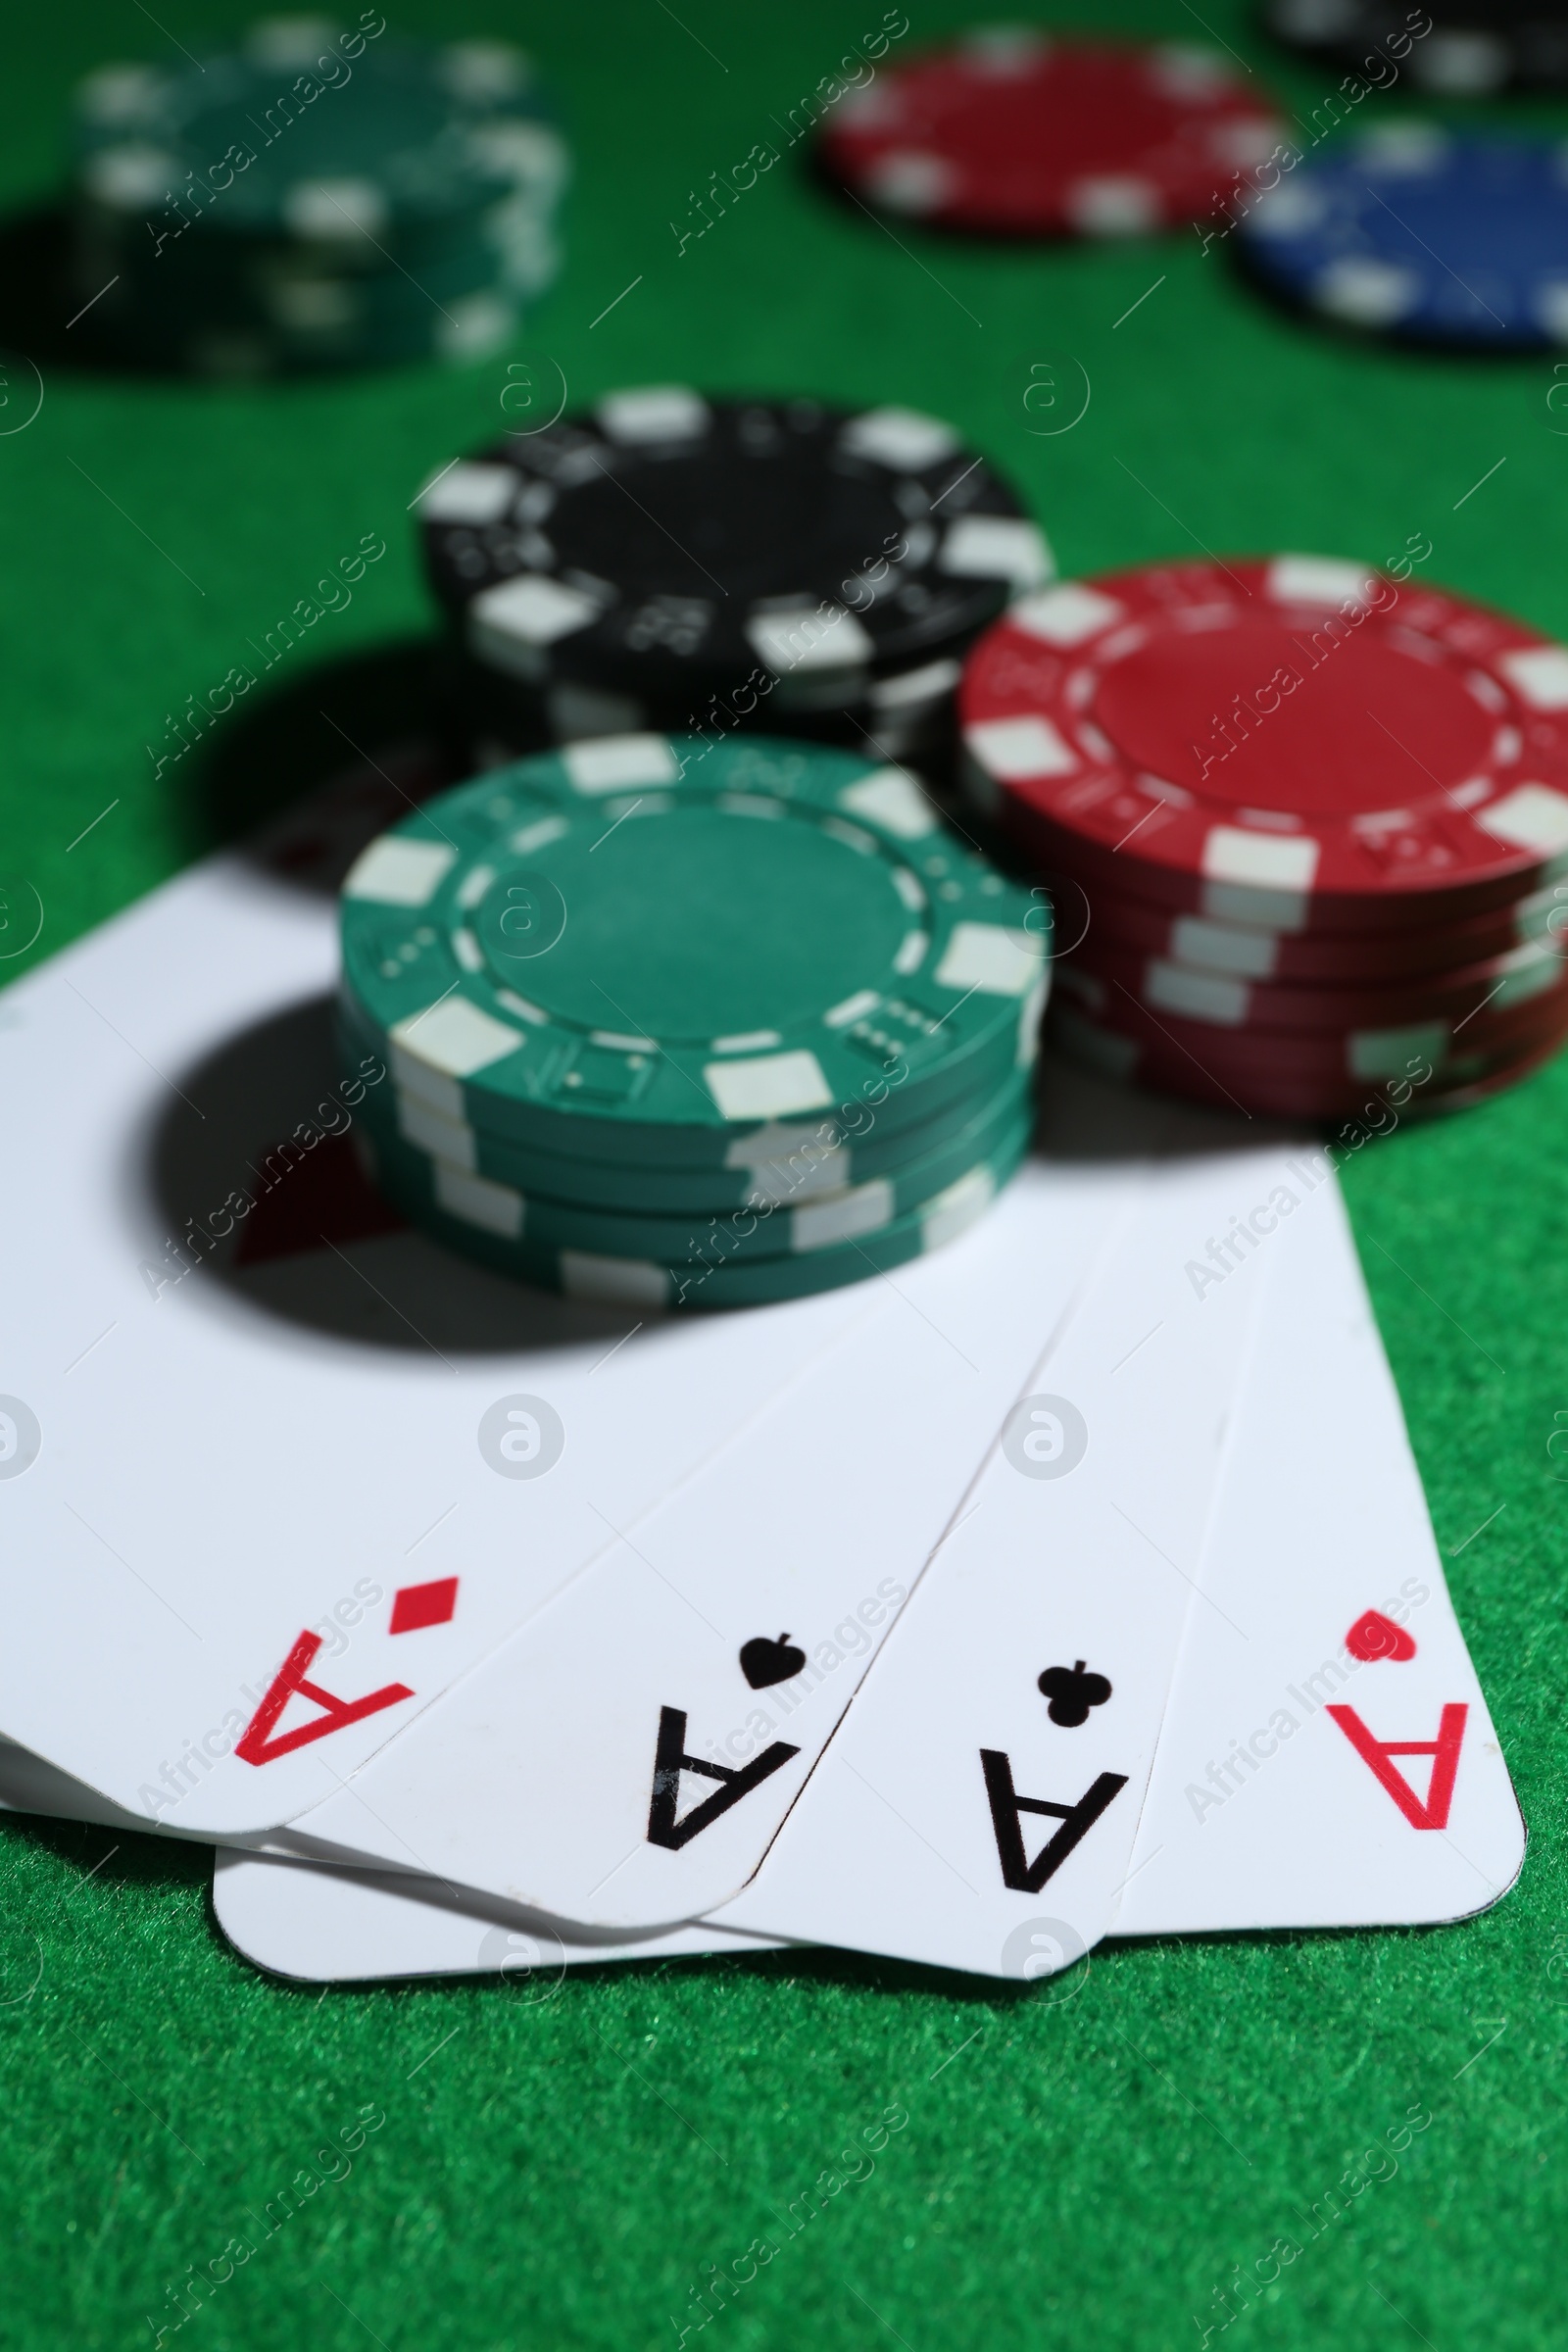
[[995, 1765], [1321, 1631], [324, 1923], [1122, 1317], [304, 1919], [1318, 1447], [259, 1501], [1327, 1759], [625, 1758], [621, 1734], [28, 1784]]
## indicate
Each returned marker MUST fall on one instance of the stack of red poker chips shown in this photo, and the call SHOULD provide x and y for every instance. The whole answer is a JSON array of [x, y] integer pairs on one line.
[[1304, 824]]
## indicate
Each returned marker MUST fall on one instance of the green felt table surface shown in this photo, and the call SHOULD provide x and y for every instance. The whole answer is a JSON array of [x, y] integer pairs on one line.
[[563, 2174]]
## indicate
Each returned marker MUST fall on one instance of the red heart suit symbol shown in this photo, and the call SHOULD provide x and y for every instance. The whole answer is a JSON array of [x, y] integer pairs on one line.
[[1375, 1636]]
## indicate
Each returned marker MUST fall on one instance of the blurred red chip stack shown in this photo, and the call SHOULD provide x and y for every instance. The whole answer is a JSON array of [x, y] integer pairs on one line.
[[1303, 824]]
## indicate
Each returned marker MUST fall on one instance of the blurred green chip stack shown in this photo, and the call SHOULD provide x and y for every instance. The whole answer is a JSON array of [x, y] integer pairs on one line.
[[317, 198], [686, 1024]]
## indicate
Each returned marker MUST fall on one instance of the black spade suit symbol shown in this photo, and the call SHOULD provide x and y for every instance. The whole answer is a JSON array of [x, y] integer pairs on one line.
[[763, 1662], [1072, 1692]]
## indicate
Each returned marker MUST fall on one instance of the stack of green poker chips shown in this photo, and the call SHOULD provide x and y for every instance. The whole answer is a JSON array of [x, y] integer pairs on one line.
[[674, 1022], [317, 198]]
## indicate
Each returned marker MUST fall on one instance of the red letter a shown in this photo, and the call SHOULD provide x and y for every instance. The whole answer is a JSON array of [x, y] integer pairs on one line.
[[1444, 1751], [255, 1743]]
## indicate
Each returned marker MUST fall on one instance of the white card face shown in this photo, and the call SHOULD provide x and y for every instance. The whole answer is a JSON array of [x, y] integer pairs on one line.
[[995, 1765], [1319, 1446], [625, 1759], [301, 1919], [307, 1920], [1327, 1759], [28, 1784], [357, 1466]]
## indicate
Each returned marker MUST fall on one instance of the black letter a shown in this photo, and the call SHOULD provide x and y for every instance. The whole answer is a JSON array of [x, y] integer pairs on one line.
[[671, 1760], [1006, 1805]]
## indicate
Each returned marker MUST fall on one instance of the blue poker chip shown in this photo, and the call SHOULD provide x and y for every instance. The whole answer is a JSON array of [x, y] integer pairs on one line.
[[1414, 233]]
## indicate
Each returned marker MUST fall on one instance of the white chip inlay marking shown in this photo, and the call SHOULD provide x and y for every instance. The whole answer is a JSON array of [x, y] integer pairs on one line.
[[1292, 210], [996, 547], [1218, 947], [852, 1008], [1367, 292], [615, 1281], [808, 637], [756, 1041], [1388, 1053], [986, 956], [529, 838], [1414, 150], [954, 1211], [528, 612], [1269, 861], [909, 181], [1317, 580], [131, 178], [843, 1217], [335, 208], [1531, 817], [612, 762], [903, 438], [653, 412], [397, 872], [1016, 748], [468, 493], [1196, 995], [769, 1147], [120, 95], [769, 1086], [1113, 205], [890, 796], [1067, 615], [1539, 673], [455, 1038], [1549, 302]]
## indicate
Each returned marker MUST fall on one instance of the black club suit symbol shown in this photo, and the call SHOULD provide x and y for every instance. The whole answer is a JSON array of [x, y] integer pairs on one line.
[[1072, 1692]]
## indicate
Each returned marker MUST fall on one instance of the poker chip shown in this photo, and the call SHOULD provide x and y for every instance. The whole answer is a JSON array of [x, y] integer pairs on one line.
[[1009, 132], [1300, 821], [1474, 49], [1415, 1072], [693, 1282], [673, 561], [672, 1005], [315, 198], [1225, 1002], [1241, 952], [1422, 235], [808, 1218], [765, 930], [1285, 1095], [741, 1259], [801, 1168], [1363, 1052], [1301, 744]]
